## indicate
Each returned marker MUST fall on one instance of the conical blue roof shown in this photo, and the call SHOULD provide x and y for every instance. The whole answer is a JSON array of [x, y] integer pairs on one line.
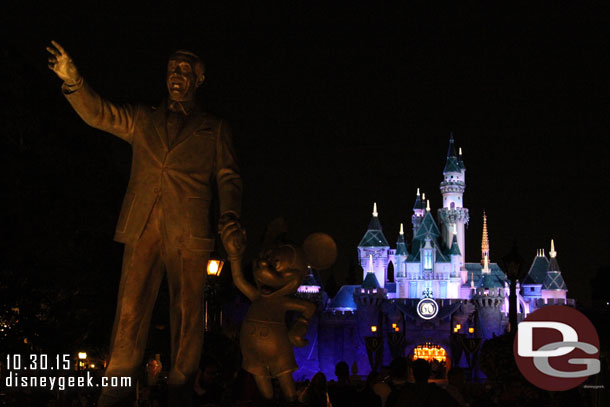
[[553, 265], [553, 279], [451, 151], [370, 281], [419, 204], [453, 163], [344, 298], [310, 280], [427, 228], [401, 246], [374, 236], [461, 163], [455, 248], [537, 271]]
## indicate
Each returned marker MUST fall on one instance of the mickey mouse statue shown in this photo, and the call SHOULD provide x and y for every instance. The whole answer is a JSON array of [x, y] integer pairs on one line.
[[279, 270]]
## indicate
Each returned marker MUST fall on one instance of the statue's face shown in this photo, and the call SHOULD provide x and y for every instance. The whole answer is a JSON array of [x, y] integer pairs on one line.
[[182, 81], [279, 271]]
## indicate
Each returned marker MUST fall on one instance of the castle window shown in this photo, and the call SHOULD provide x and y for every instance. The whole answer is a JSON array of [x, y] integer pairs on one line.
[[427, 259]]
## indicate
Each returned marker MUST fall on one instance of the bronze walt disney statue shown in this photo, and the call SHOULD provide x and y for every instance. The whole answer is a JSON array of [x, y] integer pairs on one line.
[[179, 153]]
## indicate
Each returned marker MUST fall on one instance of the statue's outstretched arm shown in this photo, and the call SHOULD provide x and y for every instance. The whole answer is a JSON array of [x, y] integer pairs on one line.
[[93, 109], [240, 281]]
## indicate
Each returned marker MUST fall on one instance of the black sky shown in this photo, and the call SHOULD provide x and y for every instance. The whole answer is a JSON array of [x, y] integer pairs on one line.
[[334, 108]]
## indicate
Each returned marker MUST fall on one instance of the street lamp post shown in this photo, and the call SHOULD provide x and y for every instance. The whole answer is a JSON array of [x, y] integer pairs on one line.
[[82, 357], [212, 315]]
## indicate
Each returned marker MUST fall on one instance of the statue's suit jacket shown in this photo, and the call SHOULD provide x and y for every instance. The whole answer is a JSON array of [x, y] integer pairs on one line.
[[179, 177]]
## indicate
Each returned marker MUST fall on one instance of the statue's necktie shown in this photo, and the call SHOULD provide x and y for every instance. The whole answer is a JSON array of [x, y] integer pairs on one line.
[[174, 122], [175, 119]]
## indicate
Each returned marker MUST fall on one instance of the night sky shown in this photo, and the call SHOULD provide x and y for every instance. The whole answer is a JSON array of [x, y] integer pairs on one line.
[[332, 109]]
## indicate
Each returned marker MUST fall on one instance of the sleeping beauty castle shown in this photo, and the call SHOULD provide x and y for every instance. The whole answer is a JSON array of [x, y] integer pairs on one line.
[[421, 298]]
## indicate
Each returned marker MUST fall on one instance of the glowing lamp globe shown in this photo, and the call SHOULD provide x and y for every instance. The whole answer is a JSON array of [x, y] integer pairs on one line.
[[214, 267]]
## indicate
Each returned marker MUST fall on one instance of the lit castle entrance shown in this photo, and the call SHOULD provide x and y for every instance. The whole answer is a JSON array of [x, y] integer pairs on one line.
[[434, 354]]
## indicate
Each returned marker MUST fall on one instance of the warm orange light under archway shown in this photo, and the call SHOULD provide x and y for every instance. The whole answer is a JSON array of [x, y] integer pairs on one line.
[[432, 352]]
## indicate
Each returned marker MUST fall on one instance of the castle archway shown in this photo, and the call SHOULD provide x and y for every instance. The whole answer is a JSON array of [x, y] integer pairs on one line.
[[436, 355]]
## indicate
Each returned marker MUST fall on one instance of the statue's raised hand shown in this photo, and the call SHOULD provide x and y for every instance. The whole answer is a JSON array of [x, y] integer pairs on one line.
[[63, 66]]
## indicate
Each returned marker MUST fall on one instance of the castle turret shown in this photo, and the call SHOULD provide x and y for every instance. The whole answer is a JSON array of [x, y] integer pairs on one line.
[[419, 210], [452, 188], [533, 281], [488, 298], [375, 245], [369, 299], [553, 285], [400, 269]]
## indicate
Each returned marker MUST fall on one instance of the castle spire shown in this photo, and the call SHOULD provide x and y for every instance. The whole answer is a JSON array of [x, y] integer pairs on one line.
[[484, 240], [418, 212], [451, 150], [452, 164], [375, 213], [427, 205], [553, 280], [401, 248], [418, 205], [553, 253]]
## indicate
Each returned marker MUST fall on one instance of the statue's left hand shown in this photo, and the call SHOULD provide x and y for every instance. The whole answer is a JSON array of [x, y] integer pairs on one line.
[[233, 237], [63, 66]]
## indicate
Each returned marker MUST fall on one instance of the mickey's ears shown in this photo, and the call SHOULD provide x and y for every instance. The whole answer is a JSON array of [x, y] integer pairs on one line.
[[320, 250]]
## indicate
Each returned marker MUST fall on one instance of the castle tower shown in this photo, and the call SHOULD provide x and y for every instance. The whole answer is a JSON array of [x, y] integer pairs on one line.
[[400, 267], [484, 241], [488, 298], [452, 188], [369, 299], [533, 281], [419, 210], [553, 285], [375, 245]]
